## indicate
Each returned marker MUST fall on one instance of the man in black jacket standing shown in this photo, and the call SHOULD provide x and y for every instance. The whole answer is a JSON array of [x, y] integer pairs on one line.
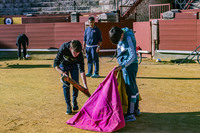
[[70, 59], [22, 40]]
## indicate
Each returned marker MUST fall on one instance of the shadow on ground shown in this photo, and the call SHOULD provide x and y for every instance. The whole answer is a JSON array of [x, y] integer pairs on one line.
[[29, 66], [174, 78], [187, 122], [183, 61]]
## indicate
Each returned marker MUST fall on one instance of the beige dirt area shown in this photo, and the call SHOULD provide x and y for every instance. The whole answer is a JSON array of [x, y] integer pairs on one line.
[[32, 100]]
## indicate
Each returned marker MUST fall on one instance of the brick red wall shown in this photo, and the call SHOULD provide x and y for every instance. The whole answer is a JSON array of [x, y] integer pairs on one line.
[[179, 34]]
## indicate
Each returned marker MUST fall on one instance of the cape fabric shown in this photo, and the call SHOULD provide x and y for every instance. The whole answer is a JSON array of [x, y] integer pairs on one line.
[[103, 110], [122, 91]]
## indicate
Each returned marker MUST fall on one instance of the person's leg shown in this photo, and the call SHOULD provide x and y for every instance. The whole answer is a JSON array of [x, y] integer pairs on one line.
[[137, 110], [75, 76], [19, 50], [66, 90], [24, 51], [129, 75], [95, 58], [89, 61]]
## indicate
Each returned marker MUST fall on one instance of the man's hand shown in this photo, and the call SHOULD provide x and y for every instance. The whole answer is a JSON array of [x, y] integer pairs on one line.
[[83, 50], [117, 69], [64, 74], [97, 50]]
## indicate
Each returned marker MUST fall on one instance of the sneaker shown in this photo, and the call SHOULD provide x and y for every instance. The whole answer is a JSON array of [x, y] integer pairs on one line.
[[95, 76], [69, 111], [88, 74], [137, 112], [130, 117], [19, 58]]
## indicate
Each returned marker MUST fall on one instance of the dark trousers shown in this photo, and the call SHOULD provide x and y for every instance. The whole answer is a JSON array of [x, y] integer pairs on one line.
[[92, 58], [73, 70], [129, 75], [19, 49]]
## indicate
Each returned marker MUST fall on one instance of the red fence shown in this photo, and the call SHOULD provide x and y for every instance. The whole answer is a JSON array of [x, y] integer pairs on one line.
[[143, 35], [8, 35], [41, 35], [179, 34], [52, 35], [65, 32]]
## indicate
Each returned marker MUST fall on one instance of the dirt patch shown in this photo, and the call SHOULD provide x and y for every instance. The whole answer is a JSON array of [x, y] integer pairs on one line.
[[32, 98]]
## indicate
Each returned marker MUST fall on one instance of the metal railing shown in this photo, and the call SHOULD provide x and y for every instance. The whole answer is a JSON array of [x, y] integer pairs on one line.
[[156, 10], [125, 6]]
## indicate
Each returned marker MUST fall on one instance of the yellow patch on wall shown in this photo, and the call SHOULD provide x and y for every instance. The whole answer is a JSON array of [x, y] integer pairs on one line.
[[16, 20], [1, 20]]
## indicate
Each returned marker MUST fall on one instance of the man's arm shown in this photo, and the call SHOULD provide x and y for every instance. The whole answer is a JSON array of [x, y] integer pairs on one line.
[[84, 46], [83, 77], [60, 71], [98, 48]]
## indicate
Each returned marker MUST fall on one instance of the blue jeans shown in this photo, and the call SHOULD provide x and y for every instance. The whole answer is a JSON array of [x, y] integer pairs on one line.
[[92, 57], [73, 69]]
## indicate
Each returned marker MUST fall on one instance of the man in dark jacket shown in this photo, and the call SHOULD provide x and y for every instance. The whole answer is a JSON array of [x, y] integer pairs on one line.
[[22, 40], [70, 59]]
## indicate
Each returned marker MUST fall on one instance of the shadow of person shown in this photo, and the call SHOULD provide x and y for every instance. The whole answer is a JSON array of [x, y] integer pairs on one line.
[[187, 122]]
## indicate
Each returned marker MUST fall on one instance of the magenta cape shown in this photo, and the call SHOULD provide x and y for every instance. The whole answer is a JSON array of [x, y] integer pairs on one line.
[[103, 110]]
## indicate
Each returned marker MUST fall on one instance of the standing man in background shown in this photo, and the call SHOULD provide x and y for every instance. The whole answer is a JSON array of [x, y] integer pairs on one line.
[[92, 43], [22, 40]]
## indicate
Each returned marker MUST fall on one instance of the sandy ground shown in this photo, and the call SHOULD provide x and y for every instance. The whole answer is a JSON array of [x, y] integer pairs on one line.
[[31, 97]]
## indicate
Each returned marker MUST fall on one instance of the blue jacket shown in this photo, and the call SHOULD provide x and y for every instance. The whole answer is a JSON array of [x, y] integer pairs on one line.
[[126, 49], [92, 36]]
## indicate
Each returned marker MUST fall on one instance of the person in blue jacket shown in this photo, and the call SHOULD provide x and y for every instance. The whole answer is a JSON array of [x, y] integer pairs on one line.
[[91, 43], [127, 59]]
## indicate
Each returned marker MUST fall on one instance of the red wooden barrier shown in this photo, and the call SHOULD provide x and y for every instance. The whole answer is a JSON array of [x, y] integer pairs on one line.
[[41, 35], [178, 34], [65, 32], [143, 35], [8, 35]]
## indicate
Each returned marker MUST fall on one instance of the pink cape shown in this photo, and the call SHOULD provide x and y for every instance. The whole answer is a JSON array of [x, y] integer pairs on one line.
[[103, 110]]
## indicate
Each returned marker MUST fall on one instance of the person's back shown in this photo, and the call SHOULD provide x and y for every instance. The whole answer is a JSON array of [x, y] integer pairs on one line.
[[22, 39]]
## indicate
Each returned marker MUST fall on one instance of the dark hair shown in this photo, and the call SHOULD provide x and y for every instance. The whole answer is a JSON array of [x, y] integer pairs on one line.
[[91, 18], [76, 45], [115, 34]]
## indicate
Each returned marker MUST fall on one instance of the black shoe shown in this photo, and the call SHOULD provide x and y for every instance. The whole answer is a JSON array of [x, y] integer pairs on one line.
[[69, 111], [75, 106]]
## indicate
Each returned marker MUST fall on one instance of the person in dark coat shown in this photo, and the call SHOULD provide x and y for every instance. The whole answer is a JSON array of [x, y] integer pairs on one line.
[[22, 40], [70, 59]]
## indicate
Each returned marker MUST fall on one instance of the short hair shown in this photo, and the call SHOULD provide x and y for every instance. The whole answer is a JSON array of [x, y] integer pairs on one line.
[[76, 45], [115, 34], [91, 18]]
